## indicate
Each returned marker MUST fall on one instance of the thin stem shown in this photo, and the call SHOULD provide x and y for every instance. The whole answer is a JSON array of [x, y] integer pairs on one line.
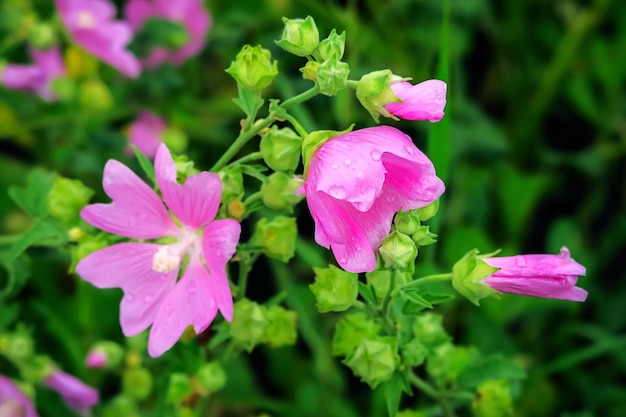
[[244, 271], [430, 278], [429, 390], [353, 84], [304, 96], [296, 125], [254, 156]]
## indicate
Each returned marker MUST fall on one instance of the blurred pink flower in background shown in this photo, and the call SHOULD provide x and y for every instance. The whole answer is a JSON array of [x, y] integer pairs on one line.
[[191, 13], [96, 359], [146, 133], [13, 402], [47, 65], [548, 276], [92, 25], [148, 272], [423, 101], [357, 182], [78, 396]]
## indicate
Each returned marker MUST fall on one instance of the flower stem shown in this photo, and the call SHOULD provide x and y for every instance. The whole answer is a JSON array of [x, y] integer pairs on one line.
[[429, 390], [429, 278]]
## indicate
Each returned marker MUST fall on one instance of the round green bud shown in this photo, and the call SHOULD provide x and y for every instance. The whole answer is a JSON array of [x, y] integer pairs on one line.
[[334, 289], [121, 405], [175, 139], [248, 325], [398, 251], [374, 91], [333, 46], [279, 192], [281, 327], [253, 68], [94, 95], [428, 330], [406, 222], [137, 382], [281, 149], [276, 237], [66, 199], [42, 36], [349, 332], [300, 36], [374, 361], [428, 212], [211, 376], [64, 88], [178, 388], [493, 399], [332, 76], [232, 184]]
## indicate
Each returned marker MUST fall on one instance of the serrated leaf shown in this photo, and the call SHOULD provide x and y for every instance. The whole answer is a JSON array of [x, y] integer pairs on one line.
[[248, 101], [367, 293], [410, 307], [32, 197], [145, 164], [44, 232]]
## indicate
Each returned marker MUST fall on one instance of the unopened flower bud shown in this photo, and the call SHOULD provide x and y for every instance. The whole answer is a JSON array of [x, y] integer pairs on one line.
[[121, 405], [236, 209], [333, 46], [334, 289], [349, 332], [374, 361], [300, 36], [94, 95], [493, 399], [137, 382], [178, 388], [428, 329], [232, 184], [211, 376], [407, 222], [373, 91], [413, 353], [423, 236], [281, 149], [276, 237], [248, 325], [66, 199], [104, 354], [253, 68], [18, 346], [380, 281], [426, 213], [467, 275], [42, 36], [64, 88], [398, 251], [175, 139], [279, 192], [309, 70], [332, 76], [281, 327]]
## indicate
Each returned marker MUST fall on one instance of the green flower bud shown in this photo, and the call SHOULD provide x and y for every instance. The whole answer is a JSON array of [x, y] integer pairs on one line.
[[380, 281], [398, 251], [428, 330], [175, 139], [111, 352], [281, 149], [66, 199], [211, 376], [413, 353], [309, 70], [122, 405], [332, 76], [374, 361], [253, 68], [334, 289], [428, 212], [373, 91], [281, 327], [300, 36], [276, 237], [316, 139], [178, 388], [64, 88], [248, 325], [279, 192], [139, 342], [232, 184], [349, 332], [18, 346], [423, 236], [333, 46], [184, 168], [447, 361], [42, 36], [406, 222], [493, 399], [95, 96], [467, 275], [137, 382], [37, 368]]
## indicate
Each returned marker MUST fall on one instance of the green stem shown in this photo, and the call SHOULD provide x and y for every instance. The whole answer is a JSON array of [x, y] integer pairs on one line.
[[244, 271], [254, 156], [430, 278], [8, 239], [353, 84], [429, 390], [253, 199], [301, 131], [304, 96]]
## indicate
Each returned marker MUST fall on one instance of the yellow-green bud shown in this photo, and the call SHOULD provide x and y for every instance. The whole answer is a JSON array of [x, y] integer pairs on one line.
[[276, 237], [253, 68], [374, 91], [281, 327], [349, 332], [309, 70], [300, 36], [413, 353], [42, 36], [178, 388], [426, 213], [248, 325], [333, 45], [94, 95], [467, 275], [279, 192], [446, 362], [332, 76], [121, 405], [281, 149], [19, 346], [493, 399], [334, 289], [64, 88], [398, 251], [175, 139], [137, 382], [406, 222], [380, 281], [66, 199], [211, 376], [79, 63], [374, 361]]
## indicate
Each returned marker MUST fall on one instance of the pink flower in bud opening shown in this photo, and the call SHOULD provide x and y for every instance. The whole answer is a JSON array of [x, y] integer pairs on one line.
[[423, 101], [145, 133], [78, 396], [548, 276], [37, 78], [148, 272], [356, 182], [13, 402], [96, 359]]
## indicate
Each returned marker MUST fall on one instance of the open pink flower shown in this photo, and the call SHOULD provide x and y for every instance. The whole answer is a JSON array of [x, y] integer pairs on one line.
[[37, 78], [78, 396], [13, 402], [548, 276], [145, 133], [191, 13], [423, 101], [93, 26], [148, 272], [356, 182]]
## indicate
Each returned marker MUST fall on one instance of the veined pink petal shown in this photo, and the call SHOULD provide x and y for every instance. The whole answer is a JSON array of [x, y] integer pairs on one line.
[[423, 101], [196, 202], [129, 266], [415, 181], [13, 401], [78, 396], [219, 243], [136, 211], [189, 303]]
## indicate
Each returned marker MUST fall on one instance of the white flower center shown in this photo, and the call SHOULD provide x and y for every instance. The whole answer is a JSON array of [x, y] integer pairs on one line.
[[165, 260], [86, 20]]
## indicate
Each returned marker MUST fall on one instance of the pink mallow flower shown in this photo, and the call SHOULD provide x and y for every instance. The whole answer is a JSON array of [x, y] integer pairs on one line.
[[548, 276], [423, 101], [145, 133], [148, 272], [92, 25], [47, 66], [78, 396], [191, 13], [13, 402], [355, 184]]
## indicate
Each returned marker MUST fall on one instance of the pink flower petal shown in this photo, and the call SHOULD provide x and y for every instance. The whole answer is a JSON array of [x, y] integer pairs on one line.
[[129, 266], [136, 11], [145, 133], [136, 211], [13, 397], [423, 101], [78, 396], [417, 182]]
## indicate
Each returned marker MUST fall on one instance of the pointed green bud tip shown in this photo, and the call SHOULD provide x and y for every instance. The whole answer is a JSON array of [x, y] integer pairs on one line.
[[334, 289], [178, 388], [66, 199], [281, 327], [373, 91], [253, 68], [248, 325], [276, 237], [316, 139], [333, 46], [493, 399], [374, 360], [398, 251], [211, 376], [137, 382], [423, 236], [232, 184], [467, 275], [300, 36], [332, 76], [42, 36], [428, 212], [349, 332], [309, 70], [280, 191], [281, 149]]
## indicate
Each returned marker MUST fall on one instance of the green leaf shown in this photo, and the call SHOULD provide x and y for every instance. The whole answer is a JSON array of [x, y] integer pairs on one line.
[[412, 307], [367, 293], [412, 295], [44, 232], [145, 164], [254, 171], [248, 101], [32, 197], [393, 393], [9, 313], [13, 274], [492, 367]]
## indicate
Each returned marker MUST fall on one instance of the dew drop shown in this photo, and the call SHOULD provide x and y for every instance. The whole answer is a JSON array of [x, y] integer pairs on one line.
[[390, 198], [211, 303], [375, 155], [129, 298], [520, 261], [343, 260], [192, 287], [334, 166], [409, 149], [347, 162], [359, 248], [337, 191]]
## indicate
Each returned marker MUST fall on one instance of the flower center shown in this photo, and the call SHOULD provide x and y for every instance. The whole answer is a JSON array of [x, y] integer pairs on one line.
[[165, 260], [86, 20]]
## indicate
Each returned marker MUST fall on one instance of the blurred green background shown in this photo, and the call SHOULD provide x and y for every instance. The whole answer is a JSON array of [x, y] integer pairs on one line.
[[536, 160]]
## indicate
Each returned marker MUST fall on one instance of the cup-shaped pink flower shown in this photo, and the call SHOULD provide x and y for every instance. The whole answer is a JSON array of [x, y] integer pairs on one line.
[[47, 65], [191, 13], [92, 25], [423, 101], [148, 272], [13, 402], [145, 133], [78, 396], [548, 276], [355, 184]]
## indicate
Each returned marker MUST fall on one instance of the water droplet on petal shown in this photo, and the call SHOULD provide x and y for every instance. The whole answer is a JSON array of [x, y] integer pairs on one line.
[[337, 191], [520, 261], [335, 166], [343, 260], [390, 198], [359, 248], [192, 287], [211, 303], [375, 155], [409, 149], [129, 298], [347, 162]]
